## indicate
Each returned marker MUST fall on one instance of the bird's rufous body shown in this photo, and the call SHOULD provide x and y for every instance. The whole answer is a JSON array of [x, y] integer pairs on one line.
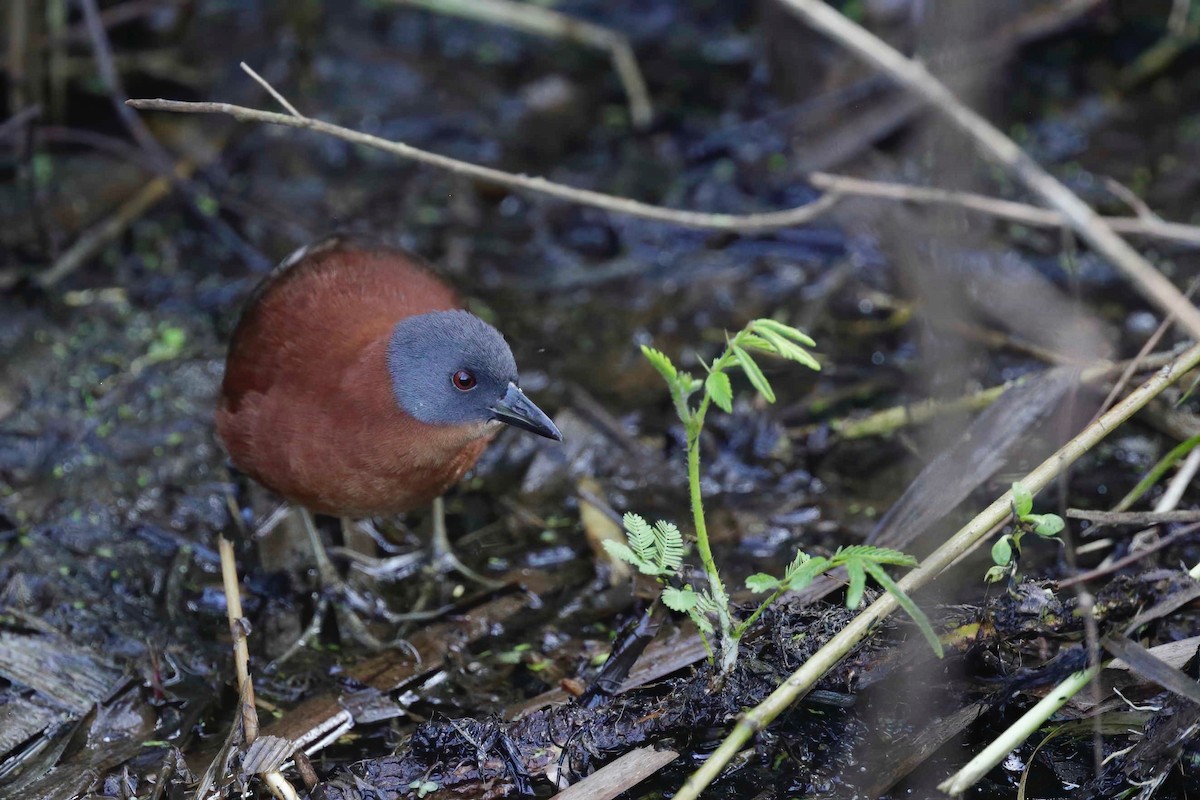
[[307, 404]]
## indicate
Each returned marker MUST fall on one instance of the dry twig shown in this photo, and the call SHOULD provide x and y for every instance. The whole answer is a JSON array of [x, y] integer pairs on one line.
[[800, 683], [552, 24], [735, 223], [998, 147], [1149, 226], [835, 186]]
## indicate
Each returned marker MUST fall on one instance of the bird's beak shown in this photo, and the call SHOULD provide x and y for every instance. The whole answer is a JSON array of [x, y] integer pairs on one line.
[[519, 411]]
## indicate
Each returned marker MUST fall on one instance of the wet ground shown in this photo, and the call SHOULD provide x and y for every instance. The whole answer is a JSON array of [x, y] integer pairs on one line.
[[116, 673]]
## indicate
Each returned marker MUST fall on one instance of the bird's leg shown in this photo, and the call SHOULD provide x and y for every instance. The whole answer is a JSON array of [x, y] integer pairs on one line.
[[332, 583], [442, 558]]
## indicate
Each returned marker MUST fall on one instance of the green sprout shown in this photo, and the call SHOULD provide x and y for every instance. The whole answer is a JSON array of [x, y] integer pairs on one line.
[[658, 550], [424, 787], [1006, 552]]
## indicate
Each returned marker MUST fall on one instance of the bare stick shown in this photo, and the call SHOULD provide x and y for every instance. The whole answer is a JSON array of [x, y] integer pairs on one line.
[[18, 121], [241, 653], [620, 776], [160, 159], [551, 24], [1141, 225], [889, 420], [835, 186], [283, 101], [95, 238], [995, 145], [736, 223], [1134, 517], [801, 682]]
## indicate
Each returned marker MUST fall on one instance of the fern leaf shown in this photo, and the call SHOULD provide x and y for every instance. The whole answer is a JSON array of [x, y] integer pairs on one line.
[[805, 572], [757, 379], [669, 546], [790, 350], [701, 622], [660, 362], [858, 584], [720, 390], [621, 550], [880, 555], [918, 616], [775, 326], [641, 537], [682, 600], [756, 341], [760, 583]]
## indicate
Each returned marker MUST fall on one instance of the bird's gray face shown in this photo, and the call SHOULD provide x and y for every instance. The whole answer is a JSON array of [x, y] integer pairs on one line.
[[452, 368]]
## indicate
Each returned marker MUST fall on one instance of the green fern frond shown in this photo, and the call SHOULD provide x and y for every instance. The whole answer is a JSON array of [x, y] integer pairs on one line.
[[879, 555], [641, 536], [918, 616], [668, 546], [660, 362], [775, 326]]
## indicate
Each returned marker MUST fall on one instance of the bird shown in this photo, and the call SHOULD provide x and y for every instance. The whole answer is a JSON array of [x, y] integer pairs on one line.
[[357, 386]]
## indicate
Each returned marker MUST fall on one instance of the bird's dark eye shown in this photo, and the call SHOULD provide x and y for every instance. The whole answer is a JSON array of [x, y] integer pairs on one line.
[[463, 380]]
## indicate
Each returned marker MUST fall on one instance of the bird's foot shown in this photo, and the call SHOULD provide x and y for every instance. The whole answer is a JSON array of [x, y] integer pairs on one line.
[[442, 559], [349, 607]]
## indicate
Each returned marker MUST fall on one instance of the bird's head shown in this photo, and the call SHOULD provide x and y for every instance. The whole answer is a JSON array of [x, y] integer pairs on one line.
[[452, 368]]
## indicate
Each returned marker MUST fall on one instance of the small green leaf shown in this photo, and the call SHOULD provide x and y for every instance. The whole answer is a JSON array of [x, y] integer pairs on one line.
[[858, 584], [641, 536], [761, 582], [1046, 524], [1022, 500], [682, 600], [918, 616], [661, 363], [720, 390], [1002, 551], [755, 341], [700, 621], [687, 384], [775, 326], [995, 574], [668, 543], [757, 379], [621, 550], [801, 573], [880, 555], [791, 350]]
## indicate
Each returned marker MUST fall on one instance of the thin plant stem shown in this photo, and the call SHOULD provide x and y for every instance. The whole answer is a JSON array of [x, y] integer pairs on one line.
[[801, 682], [1021, 730], [695, 425], [741, 629]]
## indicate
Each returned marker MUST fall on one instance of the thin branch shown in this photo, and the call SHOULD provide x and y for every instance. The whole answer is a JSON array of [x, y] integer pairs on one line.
[[736, 223], [1130, 558], [1141, 225], [552, 24], [995, 145], [19, 121], [1133, 517], [889, 420], [801, 682], [93, 240], [283, 101], [835, 186], [162, 161]]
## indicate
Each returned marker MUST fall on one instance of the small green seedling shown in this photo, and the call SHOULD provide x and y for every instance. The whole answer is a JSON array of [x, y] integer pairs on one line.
[[658, 550], [1006, 552], [423, 787]]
